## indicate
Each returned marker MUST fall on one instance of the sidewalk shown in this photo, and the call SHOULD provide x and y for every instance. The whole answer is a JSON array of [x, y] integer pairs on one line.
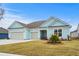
[[7, 54], [3, 42]]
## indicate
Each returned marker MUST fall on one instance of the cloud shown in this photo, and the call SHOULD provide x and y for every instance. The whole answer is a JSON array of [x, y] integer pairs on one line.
[[8, 9], [74, 27], [9, 17]]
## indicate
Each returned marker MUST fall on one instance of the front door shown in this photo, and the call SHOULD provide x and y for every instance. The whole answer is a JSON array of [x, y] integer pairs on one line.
[[43, 34]]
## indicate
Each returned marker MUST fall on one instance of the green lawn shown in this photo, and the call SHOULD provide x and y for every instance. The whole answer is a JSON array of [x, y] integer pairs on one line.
[[41, 48]]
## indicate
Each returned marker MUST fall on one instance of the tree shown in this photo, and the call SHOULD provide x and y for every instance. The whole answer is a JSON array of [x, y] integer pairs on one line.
[[1, 11]]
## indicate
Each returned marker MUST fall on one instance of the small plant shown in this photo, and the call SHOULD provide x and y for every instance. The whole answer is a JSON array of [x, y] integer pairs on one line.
[[54, 39]]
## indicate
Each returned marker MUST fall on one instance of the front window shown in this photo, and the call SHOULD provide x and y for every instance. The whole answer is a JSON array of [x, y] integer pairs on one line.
[[55, 32], [58, 32]]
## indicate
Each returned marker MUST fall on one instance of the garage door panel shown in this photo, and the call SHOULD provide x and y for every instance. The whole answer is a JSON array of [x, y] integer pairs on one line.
[[34, 35], [17, 35]]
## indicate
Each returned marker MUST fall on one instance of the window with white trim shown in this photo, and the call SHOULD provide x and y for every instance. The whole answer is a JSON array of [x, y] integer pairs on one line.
[[58, 32]]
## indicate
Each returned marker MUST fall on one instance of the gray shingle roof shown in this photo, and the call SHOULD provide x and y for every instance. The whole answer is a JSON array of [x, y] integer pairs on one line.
[[74, 31], [2, 30], [35, 24], [23, 24], [38, 23], [32, 25]]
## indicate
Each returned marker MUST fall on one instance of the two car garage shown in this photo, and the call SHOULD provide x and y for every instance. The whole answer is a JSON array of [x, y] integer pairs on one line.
[[17, 35], [20, 35], [21, 31]]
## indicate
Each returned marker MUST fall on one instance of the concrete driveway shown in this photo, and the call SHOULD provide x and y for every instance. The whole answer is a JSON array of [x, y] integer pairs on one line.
[[3, 42]]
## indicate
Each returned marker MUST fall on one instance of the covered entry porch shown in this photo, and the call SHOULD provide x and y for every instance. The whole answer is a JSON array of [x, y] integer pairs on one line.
[[43, 34]]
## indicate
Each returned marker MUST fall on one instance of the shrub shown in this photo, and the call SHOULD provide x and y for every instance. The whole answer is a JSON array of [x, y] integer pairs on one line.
[[54, 39]]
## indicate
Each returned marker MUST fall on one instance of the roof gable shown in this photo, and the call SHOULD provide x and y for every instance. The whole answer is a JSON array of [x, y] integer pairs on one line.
[[57, 23], [17, 24], [54, 22]]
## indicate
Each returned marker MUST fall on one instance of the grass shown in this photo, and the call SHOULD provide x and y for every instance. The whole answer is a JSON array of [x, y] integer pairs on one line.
[[3, 39], [42, 48]]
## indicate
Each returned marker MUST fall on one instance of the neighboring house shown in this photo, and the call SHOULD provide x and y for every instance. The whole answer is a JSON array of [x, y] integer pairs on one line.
[[39, 29], [3, 33], [75, 34]]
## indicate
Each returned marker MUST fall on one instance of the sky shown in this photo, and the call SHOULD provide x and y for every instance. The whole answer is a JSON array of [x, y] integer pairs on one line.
[[30, 12]]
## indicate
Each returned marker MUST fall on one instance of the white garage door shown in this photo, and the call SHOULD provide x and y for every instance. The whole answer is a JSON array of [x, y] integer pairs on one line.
[[17, 35], [34, 35]]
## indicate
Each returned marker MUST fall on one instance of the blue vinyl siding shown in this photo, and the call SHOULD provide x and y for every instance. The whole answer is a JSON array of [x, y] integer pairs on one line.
[[3, 35]]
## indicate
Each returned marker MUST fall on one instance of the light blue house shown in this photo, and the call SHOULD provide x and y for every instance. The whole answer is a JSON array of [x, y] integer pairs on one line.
[[39, 29]]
